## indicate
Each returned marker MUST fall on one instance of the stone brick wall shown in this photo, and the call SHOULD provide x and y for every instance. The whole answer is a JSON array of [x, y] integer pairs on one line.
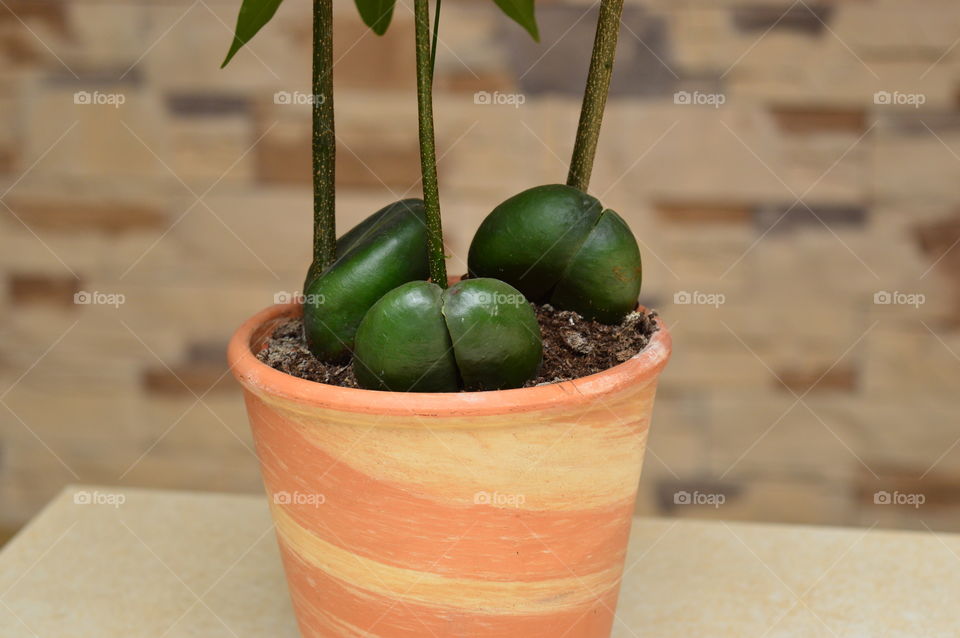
[[791, 170]]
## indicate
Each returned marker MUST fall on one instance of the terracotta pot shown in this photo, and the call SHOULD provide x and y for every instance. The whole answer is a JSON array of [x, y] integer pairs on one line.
[[452, 515]]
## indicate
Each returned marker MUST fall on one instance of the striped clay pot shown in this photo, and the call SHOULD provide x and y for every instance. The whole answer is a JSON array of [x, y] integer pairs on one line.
[[480, 515]]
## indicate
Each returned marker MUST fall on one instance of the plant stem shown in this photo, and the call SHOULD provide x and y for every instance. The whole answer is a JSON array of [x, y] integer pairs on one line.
[[428, 152], [595, 94], [436, 33], [324, 139]]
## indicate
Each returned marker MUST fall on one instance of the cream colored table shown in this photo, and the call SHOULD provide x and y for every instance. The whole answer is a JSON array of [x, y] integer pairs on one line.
[[106, 563]]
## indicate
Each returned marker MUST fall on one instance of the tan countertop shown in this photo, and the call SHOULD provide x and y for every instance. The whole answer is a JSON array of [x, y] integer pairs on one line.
[[108, 563]]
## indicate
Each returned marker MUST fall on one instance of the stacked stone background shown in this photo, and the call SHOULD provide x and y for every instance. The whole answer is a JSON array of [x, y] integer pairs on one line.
[[788, 214]]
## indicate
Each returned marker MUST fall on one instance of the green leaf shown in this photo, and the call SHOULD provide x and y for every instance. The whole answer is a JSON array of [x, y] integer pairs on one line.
[[522, 12], [253, 15], [376, 14]]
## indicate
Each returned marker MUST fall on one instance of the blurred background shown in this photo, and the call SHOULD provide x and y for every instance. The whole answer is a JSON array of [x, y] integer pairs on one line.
[[791, 170]]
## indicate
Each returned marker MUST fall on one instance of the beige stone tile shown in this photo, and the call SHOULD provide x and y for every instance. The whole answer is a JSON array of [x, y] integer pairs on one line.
[[704, 38], [887, 27], [88, 353], [882, 435], [830, 168], [106, 35], [502, 149], [218, 424], [706, 360], [183, 34], [21, 250], [730, 153], [470, 52], [910, 364], [916, 168], [100, 141], [752, 433], [677, 442], [211, 149]]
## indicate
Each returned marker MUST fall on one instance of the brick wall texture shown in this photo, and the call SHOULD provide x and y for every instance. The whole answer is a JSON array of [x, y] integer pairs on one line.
[[791, 170]]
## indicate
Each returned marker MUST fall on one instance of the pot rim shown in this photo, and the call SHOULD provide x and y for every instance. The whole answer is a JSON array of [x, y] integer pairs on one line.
[[263, 380]]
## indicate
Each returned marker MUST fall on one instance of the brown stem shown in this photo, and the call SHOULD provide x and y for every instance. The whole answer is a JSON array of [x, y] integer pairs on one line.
[[324, 139]]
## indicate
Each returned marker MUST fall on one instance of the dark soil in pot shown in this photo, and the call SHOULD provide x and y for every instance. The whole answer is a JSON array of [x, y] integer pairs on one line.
[[572, 348]]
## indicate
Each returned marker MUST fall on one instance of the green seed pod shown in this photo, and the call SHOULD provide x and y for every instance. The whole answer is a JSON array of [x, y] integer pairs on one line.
[[557, 245], [385, 250], [480, 334], [402, 343]]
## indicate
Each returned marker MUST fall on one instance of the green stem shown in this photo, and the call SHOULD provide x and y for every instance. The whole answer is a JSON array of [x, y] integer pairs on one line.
[[595, 94], [436, 33], [428, 152], [324, 139]]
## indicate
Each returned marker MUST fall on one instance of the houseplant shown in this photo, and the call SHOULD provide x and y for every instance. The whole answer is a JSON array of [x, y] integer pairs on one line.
[[460, 513]]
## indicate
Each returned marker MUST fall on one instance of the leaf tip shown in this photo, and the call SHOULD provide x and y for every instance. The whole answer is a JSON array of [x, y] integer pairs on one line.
[[232, 52]]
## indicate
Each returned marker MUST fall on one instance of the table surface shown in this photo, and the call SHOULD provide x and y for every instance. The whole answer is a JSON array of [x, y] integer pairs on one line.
[[105, 563]]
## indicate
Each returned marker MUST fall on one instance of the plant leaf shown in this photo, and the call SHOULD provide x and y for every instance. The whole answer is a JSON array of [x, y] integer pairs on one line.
[[253, 15], [522, 12], [376, 14]]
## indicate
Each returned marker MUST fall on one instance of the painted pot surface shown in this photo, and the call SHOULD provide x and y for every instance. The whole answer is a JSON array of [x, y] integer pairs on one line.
[[472, 514]]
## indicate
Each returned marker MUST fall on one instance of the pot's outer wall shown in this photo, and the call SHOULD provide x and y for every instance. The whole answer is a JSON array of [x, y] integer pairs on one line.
[[502, 520]]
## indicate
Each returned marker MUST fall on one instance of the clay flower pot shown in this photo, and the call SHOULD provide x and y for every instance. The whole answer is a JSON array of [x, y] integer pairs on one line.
[[475, 514]]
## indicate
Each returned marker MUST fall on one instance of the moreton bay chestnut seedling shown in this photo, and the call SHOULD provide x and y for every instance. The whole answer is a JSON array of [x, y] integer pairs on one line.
[[557, 245], [479, 334], [385, 250], [381, 290]]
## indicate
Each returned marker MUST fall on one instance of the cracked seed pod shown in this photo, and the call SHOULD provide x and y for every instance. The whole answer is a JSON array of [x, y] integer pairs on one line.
[[557, 245], [479, 334]]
